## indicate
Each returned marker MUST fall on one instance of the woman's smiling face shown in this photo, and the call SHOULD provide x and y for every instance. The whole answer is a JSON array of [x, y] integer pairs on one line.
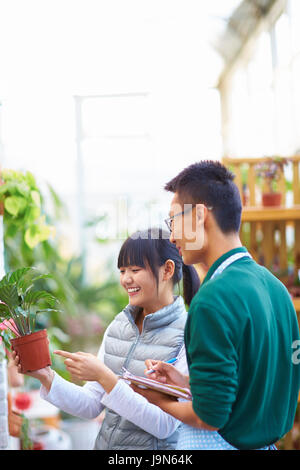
[[140, 285]]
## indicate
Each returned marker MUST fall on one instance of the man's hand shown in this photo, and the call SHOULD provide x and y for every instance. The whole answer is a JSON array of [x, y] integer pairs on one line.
[[166, 373], [86, 366]]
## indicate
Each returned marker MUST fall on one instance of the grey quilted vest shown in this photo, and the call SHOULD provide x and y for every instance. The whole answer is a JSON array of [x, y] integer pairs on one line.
[[161, 338]]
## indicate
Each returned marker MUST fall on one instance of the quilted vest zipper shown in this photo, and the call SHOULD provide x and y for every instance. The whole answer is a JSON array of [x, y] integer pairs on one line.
[[125, 365]]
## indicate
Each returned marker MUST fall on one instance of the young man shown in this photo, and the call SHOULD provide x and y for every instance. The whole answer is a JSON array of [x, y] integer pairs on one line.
[[241, 327]]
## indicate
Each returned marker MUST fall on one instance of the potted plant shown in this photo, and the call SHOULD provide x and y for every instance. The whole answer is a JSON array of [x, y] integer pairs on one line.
[[19, 306], [270, 171]]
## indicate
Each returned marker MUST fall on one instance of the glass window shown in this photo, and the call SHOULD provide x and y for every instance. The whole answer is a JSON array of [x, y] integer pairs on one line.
[[283, 41], [294, 14], [265, 93]]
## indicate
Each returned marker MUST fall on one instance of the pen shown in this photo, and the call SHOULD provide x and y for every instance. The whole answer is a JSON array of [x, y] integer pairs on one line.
[[170, 361]]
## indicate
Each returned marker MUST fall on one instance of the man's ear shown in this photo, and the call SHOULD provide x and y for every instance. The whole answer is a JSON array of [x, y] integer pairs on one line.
[[201, 213]]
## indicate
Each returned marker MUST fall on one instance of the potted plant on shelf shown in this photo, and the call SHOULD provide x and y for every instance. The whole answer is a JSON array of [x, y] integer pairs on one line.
[[270, 171], [19, 306]]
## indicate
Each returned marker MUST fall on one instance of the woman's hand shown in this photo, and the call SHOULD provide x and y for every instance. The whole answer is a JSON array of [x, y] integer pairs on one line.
[[166, 373], [86, 366], [45, 375]]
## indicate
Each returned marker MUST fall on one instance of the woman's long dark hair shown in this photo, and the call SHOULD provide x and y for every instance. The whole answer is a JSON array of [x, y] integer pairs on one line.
[[153, 248]]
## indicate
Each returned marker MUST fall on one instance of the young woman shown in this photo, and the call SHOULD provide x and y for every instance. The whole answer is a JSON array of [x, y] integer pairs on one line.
[[151, 325]]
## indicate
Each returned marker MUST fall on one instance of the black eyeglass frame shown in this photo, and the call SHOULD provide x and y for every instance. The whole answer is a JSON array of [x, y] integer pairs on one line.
[[169, 220]]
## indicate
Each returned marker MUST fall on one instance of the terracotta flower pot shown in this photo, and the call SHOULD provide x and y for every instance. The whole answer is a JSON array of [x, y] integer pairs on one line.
[[271, 199], [33, 351]]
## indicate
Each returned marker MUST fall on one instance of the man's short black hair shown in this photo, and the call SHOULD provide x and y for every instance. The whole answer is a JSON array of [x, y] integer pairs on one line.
[[210, 183]]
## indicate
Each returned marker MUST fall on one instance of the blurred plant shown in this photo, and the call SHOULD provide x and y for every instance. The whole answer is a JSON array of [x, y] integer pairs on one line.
[[244, 173], [26, 442], [21, 199], [271, 171]]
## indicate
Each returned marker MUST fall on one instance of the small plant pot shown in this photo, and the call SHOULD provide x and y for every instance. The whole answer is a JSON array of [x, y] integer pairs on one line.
[[33, 351], [271, 199]]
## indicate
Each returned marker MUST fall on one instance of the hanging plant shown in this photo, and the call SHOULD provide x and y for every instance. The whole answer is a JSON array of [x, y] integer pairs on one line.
[[21, 206]]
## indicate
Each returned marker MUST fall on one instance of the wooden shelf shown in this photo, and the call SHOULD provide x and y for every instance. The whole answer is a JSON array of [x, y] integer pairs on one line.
[[296, 303], [263, 214], [241, 160]]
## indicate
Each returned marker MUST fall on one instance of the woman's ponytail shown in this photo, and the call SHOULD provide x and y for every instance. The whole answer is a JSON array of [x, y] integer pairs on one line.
[[191, 282]]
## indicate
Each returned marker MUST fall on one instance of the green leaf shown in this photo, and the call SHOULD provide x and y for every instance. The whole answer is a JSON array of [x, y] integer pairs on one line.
[[15, 276], [25, 277], [4, 312], [15, 205], [30, 179], [22, 189], [32, 298], [32, 214], [9, 295], [25, 287], [36, 234], [11, 230], [35, 196], [49, 310], [19, 274], [3, 189], [32, 236], [14, 188]]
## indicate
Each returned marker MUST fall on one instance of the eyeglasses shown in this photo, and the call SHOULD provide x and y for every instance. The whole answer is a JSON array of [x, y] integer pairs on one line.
[[169, 220]]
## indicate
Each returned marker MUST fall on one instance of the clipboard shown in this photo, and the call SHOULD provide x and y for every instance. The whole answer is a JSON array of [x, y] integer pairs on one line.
[[143, 382]]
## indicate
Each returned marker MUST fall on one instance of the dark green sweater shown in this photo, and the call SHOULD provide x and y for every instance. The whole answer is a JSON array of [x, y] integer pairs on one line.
[[238, 337]]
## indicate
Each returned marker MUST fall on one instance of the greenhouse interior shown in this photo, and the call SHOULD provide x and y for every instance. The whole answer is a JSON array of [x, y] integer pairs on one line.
[[102, 104]]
